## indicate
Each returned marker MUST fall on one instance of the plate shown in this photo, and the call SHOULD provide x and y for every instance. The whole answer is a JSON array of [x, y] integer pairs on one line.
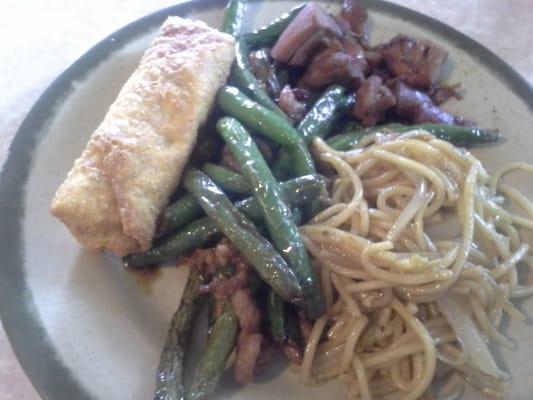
[[83, 327]]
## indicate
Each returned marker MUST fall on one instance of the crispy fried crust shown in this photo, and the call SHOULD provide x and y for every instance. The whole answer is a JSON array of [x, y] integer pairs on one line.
[[111, 198]]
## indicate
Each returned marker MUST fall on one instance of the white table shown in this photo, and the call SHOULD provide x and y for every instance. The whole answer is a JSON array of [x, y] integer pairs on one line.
[[39, 38]]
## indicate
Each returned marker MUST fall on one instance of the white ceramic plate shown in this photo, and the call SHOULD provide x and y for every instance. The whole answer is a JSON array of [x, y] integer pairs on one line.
[[82, 327]]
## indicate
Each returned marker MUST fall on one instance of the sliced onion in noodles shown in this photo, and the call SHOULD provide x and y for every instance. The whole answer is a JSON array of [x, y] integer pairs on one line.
[[469, 336]]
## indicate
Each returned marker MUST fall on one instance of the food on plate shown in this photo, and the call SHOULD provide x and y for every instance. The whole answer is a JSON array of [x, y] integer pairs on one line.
[[336, 219], [419, 258], [116, 190]]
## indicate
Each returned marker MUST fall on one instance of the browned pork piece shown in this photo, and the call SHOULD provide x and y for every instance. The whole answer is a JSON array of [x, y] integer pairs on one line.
[[373, 100], [441, 94], [288, 101], [429, 113], [250, 340], [309, 31], [416, 62], [247, 357], [251, 349], [418, 107], [333, 65], [355, 15], [407, 99]]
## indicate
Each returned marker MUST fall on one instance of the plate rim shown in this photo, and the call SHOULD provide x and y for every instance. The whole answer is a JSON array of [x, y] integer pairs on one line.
[[37, 357]]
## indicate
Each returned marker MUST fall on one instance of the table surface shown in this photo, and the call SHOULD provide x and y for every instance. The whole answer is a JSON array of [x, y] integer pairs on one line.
[[39, 38]]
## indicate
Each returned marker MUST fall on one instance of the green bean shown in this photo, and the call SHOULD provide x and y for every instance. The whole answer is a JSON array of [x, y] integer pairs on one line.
[[292, 326], [276, 316], [282, 166], [348, 124], [347, 140], [276, 213], [191, 237], [269, 34], [243, 77], [263, 121], [228, 180], [298, 192], [169, 384], [178, 214], [213, 361], [268, 263], [186, 209], [234, 17], [321, 118], [457, 135], [297, 216], [264, 71], [318, 122]]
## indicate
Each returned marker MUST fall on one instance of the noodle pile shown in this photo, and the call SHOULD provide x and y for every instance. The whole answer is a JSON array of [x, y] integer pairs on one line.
[[407, 303]]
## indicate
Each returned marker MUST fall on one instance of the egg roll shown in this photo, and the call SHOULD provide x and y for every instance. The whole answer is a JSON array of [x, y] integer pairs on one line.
[[117, 188]]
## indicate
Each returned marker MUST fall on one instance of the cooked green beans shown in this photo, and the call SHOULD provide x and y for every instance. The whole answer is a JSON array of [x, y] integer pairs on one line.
[[192, 236], [215, 355], [321, 118], [318, 122], [276, 212], [169, 383], [269, 34], [234, 17], [264, 71], [455, 134], [263, 121], [178, 214], [186, 209], [276, 316], [241, 73], [227, 180], [244, 235], [243, 77], [297, 191]]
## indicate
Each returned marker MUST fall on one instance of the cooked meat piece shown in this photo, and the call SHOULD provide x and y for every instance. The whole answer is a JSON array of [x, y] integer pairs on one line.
[[246, 310], [373, 58], [301, 94], [356, 51], [309, 29], [333, 65], [223, 288], [349, 44], [229, 161], [315, 44], [263, 68], [355, 15], [440, 94], [248, 351], [267, 352], [305, 327], [289, 103], [417, 62], [418, 107], [407, 98], [429, 113], [207, 261], [293, 352], [373, 100]]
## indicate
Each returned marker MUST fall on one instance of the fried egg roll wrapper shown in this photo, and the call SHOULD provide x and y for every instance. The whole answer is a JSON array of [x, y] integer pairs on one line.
[[115, 191]]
